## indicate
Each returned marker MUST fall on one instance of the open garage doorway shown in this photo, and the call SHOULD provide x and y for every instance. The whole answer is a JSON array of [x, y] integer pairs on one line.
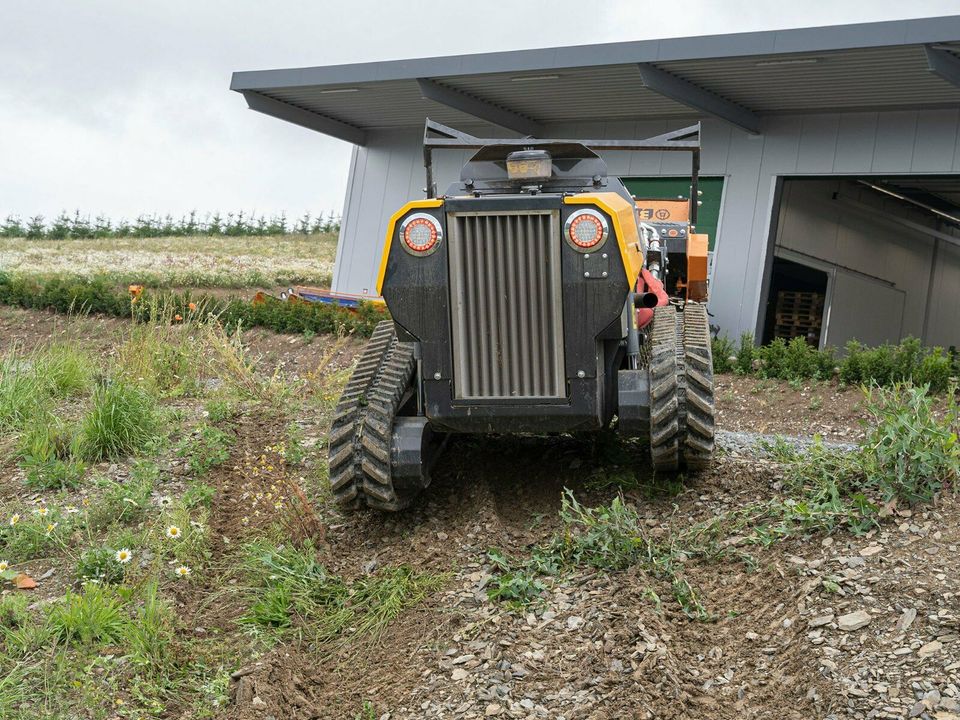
[[873, 259], [798, 294]]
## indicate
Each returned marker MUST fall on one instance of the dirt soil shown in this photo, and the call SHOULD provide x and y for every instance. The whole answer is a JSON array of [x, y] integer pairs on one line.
[[835, 627], [779, 645]]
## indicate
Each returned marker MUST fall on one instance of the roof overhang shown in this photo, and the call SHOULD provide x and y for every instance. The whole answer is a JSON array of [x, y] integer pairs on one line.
[[739, 78]]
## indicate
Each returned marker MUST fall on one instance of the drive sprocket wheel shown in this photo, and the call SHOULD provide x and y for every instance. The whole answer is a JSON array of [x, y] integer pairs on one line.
[[362, 427]]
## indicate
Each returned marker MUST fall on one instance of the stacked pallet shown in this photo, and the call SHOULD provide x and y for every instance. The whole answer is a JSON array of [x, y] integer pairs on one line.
[[799, 314]]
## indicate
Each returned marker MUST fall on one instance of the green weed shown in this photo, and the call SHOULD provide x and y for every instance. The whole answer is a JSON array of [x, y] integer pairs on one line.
[[157, 355], [198, 494], [609, 538], [100, 565], [367, 712], [23, 394], [13, 611], [47, 455], [910, 454], [125, 502], [296, 591], [221, 409], [66, 370], [150, 636], [205, 449]]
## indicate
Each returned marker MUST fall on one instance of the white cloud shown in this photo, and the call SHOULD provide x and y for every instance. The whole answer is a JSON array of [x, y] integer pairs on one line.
[[118, 107]]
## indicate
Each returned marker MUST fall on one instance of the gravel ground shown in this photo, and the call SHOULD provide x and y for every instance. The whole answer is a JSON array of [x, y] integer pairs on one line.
[[749, 444]]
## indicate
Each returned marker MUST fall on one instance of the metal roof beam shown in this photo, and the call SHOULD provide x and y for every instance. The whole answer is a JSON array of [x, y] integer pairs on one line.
[[943, 63], [698, 98], [304, 118], [479, 108]]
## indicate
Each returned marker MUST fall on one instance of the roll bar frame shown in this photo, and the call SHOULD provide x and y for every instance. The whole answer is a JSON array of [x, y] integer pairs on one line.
[[437, 136]]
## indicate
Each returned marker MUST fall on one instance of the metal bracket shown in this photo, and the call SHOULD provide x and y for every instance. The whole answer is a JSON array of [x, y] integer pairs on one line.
[[944, 63], [304, 118], [698, 98], [478, 107]]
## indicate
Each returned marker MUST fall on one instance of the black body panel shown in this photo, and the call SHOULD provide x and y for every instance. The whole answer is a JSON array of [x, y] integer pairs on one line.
[[416, 290]]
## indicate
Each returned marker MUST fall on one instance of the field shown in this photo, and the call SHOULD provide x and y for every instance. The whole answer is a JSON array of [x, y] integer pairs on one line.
[[189, 261], [169, 548]]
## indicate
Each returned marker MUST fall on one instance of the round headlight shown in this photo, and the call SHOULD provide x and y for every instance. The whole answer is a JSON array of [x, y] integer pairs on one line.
[[585, 229], [421, 234]]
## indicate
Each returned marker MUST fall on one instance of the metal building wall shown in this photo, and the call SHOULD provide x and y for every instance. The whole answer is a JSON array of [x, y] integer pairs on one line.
[[849, 226], [389, 171]]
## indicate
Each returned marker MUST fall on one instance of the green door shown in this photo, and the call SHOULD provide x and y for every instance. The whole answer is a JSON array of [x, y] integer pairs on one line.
[[669, 188]]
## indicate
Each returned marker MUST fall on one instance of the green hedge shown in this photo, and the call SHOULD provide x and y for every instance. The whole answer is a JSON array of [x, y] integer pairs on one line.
[[884, 365], [73, 294]]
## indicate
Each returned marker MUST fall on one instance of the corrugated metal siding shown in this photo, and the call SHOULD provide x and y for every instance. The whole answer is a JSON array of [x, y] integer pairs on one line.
[[848, 80], [857, 79], [575, 94], [395, 104]]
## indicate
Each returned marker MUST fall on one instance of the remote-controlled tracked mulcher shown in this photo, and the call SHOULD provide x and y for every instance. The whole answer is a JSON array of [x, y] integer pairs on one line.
[[535, 295]]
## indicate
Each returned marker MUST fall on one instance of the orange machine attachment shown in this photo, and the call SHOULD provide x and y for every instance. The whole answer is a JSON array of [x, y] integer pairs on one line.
[[697, 267], [687, 251], [663, 211]]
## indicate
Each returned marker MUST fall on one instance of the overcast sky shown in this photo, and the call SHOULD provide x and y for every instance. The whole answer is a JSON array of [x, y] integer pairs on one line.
[[122, 106]]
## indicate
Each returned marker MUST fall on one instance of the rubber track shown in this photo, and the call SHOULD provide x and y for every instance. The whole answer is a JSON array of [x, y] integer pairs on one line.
[[664, 408], [377, 434], [348, 479], [698, 401]]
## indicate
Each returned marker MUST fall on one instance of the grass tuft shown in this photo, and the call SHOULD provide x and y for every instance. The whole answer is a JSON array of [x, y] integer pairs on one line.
[[123, 419], [93, 615]]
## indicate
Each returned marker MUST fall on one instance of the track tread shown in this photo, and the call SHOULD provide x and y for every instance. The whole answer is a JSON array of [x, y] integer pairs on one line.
[[361, 431], [700, 423], [664, 405]]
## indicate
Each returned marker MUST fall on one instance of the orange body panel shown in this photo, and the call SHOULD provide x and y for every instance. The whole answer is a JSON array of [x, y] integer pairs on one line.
[[697, 267]]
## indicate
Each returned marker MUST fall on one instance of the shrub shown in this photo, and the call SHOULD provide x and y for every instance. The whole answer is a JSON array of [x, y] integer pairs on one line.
[[888, 364], [724, 354], [745, 355], [72, 294], [78, 226], [122, 419], [797, 360]]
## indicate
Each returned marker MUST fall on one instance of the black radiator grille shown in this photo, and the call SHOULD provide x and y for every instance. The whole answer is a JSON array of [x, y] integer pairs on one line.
[[507, 308]]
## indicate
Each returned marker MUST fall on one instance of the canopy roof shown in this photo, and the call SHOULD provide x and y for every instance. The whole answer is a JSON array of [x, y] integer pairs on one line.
[[740, 78]]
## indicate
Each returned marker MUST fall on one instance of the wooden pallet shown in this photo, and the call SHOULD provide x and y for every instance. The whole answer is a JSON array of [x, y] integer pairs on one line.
[[798, 314]]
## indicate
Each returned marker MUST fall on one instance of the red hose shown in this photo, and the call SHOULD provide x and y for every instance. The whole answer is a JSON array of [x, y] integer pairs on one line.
[[648, 283]]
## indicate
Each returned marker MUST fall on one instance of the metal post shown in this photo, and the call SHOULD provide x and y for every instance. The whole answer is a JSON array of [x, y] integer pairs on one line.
[[694, 183]]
